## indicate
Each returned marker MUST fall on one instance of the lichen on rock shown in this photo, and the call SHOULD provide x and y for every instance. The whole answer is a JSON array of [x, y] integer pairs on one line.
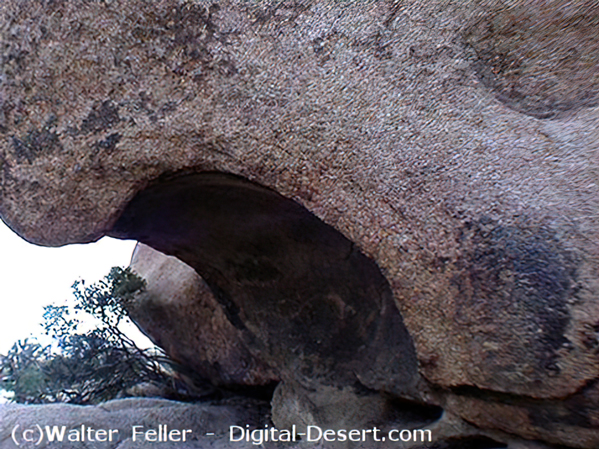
[[450, 149]]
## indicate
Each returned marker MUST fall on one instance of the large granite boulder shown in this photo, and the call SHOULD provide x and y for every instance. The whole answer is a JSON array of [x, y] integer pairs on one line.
[[180, 314], [451, 144]]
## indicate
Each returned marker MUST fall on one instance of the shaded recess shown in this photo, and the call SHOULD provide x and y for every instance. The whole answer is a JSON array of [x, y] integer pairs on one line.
[[578, 411], [305, 298], [411, 414]]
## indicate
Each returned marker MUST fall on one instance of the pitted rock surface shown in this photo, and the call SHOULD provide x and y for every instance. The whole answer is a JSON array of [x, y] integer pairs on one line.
[[453, 143], [523, 60]]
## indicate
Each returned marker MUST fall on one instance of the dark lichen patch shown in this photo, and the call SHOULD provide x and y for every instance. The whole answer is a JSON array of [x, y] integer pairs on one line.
[[108, 144], [17, 45], [263, 13], [540, 59], [323, 47], [226, 67], [514, 287], [13, 60], [178, 28], [36, 142], [4, 114], [193, 44], [102, 117], [378, 44]]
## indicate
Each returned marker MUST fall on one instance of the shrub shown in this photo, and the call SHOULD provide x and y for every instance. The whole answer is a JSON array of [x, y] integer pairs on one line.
[[86, 366]]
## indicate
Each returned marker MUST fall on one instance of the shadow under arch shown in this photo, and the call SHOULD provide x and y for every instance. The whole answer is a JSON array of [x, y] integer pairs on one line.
[[306, 299]]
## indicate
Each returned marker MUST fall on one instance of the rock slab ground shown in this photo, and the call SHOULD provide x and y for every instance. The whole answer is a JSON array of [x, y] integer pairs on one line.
[[126, 417]]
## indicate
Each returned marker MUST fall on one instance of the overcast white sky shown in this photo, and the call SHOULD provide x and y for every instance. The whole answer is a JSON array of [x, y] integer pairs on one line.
[[32, 276]]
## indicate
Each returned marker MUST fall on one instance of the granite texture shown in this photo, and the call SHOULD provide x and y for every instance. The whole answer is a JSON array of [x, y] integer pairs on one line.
[[453, 143]]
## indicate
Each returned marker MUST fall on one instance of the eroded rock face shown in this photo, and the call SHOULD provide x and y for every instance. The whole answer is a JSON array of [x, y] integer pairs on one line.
[[454, 143], [179, 313]]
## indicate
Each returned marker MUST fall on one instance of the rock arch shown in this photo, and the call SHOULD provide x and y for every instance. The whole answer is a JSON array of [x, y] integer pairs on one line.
[[304, 296]]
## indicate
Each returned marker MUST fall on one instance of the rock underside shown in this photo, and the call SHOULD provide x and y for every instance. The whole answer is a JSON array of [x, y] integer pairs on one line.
[[381, 203]]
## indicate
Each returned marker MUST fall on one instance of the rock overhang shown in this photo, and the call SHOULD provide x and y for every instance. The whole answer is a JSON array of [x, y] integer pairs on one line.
[[408, 128], [304, 298]]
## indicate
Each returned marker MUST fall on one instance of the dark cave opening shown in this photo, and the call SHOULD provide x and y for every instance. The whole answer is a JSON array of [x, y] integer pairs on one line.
[[305, 298]]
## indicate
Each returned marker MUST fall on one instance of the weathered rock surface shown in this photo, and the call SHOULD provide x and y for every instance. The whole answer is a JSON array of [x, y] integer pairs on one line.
[[179, 313], [208, 425], [453, 143], [121, 416]]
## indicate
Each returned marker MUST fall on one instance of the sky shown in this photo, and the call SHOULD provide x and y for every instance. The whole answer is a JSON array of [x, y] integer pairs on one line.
[[33, 276]]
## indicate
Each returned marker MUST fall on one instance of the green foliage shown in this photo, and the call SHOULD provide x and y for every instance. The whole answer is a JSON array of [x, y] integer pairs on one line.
[[22, 369], [85, 366]]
